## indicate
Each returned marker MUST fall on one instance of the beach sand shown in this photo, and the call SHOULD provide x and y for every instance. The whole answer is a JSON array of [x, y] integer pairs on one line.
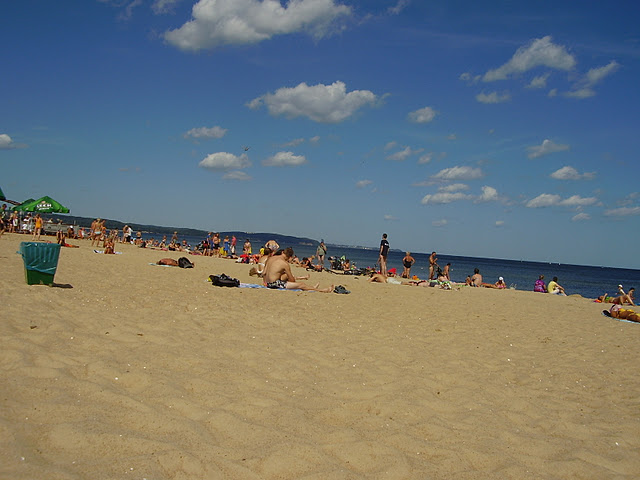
[[136, 371]]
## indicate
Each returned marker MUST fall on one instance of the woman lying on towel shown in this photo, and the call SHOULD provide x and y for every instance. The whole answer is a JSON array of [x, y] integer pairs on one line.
[[622, 313]]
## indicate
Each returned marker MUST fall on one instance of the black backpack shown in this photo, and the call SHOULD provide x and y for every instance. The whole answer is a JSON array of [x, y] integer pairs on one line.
[[223, 280], [184, 262]]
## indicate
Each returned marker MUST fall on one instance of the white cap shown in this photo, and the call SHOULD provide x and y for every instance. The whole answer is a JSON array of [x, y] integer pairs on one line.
[[619, 286], [501, 278]]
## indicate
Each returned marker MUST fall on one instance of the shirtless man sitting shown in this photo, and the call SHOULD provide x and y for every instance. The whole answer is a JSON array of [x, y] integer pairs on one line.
[[277, 274]]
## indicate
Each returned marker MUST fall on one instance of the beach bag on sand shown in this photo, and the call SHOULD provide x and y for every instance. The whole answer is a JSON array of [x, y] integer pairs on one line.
[[184, 262], [223, 280]]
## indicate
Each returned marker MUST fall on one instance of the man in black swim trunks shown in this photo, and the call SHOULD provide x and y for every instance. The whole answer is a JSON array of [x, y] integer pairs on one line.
[[277, 274], [384, 251]]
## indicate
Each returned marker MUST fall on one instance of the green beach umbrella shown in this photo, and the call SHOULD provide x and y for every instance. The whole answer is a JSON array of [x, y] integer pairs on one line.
[[42, 205], [5, 199]]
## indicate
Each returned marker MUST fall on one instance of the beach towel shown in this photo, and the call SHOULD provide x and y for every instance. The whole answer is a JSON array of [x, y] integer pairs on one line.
[[102, 251], [255, 285]]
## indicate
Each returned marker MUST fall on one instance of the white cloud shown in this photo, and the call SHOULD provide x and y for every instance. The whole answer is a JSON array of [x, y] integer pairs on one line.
[[459, 173], [444, 197], [225, 161], [570, 173], [629, 199], [584, 87], [284, 159], [452, 136], [398, 7], [315, 139], [623, 212], [206, 133], [293, 143], [6, 143], [163, 6], [489, 194], [404, 154], [440, 223], [237, 175], [389, 218], [454, 187], [469, 79], [241, 22], [422, 115], [426, 158], [127, 11], [539, 81], [581, 217], [499, 223], [584, 92], [553, 93], [578, 201], [596, 75], [544, 200], [321, 103], [541, 52], [546, 148], [363, 183], [493, 97], [550, 200]]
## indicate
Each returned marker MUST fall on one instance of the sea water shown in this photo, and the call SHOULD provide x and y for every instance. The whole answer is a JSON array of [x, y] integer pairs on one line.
[[588, 281]]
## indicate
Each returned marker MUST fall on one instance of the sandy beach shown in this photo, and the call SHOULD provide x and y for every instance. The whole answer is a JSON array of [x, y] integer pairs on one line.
[[132, 371]]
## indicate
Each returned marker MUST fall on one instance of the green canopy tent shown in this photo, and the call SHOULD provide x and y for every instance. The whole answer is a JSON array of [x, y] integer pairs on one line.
[[28, 200], [42, 205], [5, 199]]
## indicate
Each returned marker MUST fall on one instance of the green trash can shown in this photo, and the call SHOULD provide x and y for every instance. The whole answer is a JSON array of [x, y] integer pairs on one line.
[[40, 262]]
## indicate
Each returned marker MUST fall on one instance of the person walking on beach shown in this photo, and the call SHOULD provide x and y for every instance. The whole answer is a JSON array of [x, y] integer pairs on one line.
[[3, 218], [321, 251], [37, 230], [384, 251]]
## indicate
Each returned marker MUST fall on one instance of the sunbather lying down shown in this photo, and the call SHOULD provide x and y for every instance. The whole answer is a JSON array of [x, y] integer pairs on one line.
[[623, 313], [182, 262]]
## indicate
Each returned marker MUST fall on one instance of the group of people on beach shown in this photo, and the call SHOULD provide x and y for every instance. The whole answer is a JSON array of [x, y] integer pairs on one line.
[[273, 264]]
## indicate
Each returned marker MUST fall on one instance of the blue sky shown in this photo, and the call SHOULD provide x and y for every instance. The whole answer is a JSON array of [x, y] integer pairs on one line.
[[494, 129]]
